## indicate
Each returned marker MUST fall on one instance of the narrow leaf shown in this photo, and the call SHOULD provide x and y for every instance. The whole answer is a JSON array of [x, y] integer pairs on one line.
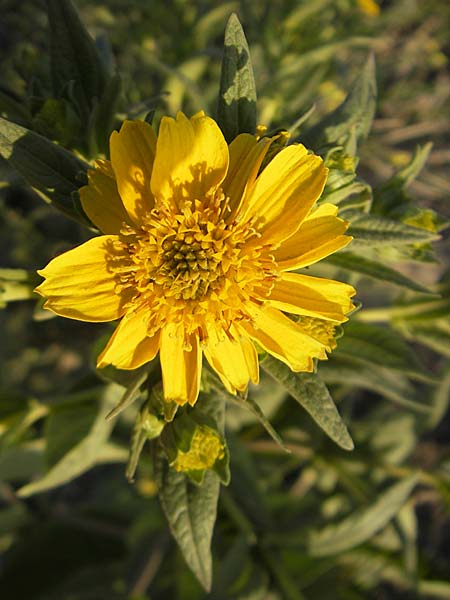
[[82, 456], [361, 526], [312, 394], [375, 270], [255, 409], [369, 230], [389, 384], [16, 284], [51, 170], [378, 345], [353, 118], [73, 55], [440, 400], [237, 97], [191, 513], [130, 395]]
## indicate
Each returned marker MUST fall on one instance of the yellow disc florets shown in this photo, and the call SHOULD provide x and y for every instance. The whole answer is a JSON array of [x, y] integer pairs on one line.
[[192, 264]]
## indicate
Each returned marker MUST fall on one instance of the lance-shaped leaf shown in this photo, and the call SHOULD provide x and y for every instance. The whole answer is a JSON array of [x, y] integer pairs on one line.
[[236, 110], [375, 270], [73, 55], [361, 526], [16, 284], [92, 449], [379, 345], [393, 385], [311, 393], [191, 512], [352, 120], [391, 196], [52, 171], [369, 230], [255, 409], [191, 509], [440, 399]]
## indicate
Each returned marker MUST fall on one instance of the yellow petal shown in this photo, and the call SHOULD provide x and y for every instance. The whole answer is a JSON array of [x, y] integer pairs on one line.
[[282, 338], [284, 193], [132, 155], [129, 347], [246, 157], [181, 368], [318, 236], [191, 158], [312, 296], [235, 360], [79, 283], [101, 201]]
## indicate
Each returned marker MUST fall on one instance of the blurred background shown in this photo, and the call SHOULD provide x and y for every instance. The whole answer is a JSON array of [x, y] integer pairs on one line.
[[101, 538]]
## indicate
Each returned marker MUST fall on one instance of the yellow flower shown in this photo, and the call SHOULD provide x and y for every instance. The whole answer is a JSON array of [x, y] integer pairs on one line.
[[369, 7], [195, 258]]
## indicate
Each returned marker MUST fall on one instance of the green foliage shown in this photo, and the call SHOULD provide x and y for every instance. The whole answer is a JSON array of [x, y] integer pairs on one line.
[[53, 172], [313, 522], [236, 110]]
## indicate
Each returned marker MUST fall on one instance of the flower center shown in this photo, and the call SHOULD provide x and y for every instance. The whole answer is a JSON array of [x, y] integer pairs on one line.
[[191, 265]]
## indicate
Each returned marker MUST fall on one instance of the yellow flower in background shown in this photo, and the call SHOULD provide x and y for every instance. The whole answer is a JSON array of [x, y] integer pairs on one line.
[[196, 255], [369, 7]]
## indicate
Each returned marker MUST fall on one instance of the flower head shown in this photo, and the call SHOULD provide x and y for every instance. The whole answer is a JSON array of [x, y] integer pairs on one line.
[[197, 251]]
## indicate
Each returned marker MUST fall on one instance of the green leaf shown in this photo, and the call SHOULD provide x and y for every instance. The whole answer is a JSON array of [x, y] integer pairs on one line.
[[369, 230], [255, 409], [312, 394], [131, 393], [236, 111], [52, 171], [22, 462], [352, 120], [102, 117], [17, 284], [377, 345], [440, 400], [191, 512], [374, 269], [389, 384], [390, 197], [67, 425], [84, 455], [361, 526], [74, 56]]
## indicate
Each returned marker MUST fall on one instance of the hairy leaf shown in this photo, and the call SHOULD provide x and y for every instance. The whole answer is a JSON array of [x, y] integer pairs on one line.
[[236, 112], [369, 230], [351, 121], [361, 526], [375, 270], [191, 513], [312, 394], [378, 345]]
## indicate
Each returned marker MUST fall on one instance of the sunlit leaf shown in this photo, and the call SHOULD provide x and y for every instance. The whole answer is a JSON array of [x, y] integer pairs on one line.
[[236, 110]]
